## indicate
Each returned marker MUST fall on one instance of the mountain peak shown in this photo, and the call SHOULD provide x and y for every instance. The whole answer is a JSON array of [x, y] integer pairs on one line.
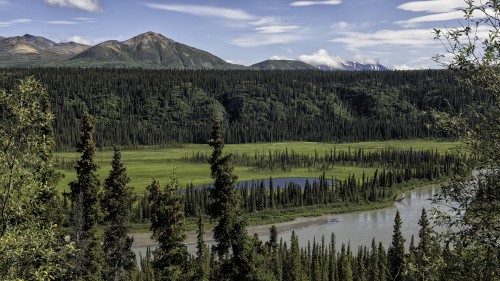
[[149, 50], [151, 36]]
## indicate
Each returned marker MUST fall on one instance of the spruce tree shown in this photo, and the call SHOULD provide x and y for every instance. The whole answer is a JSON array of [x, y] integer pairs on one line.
[[272, 244], [168, 226], [293, 266], [245, 263], [424, 234], [345, 267], [332, 260], [225, 204], [117, 203], [374, 262], [202, 255], [396, 252], [85, 195]]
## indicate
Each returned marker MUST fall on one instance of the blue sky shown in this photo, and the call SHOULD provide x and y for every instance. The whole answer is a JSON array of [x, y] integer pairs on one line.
[[396, 33]]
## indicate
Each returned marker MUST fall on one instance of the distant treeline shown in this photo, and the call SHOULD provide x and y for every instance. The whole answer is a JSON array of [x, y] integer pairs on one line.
[[397, 168], [286, 160], [153, 107]]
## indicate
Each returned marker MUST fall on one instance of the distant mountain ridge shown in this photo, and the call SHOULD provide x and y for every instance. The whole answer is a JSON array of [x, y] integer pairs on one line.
[[29, 50], [147, 50], [355, 66]]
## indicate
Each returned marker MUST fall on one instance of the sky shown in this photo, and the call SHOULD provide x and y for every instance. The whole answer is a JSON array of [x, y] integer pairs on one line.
[[395, 33]]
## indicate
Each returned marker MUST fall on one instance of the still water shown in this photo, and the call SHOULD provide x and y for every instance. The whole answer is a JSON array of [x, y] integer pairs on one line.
[[359, 228]]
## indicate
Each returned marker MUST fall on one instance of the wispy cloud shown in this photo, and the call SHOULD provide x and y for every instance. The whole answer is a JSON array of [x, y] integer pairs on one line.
[[61, 22], [267, 30], [415, 38], [433, 6], [13, 22], [87, 20], [277, 28], [310, 3], [86, 5], [266, 21], [256, 40], [454, 15], [206, 11]]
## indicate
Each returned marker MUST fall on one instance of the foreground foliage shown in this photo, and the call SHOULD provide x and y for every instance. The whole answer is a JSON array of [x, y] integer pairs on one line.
[[31, 241], [471, 214]]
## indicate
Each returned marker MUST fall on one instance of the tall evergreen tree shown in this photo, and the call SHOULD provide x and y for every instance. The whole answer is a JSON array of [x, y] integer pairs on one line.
[[345, 266], [293, 266], [202, 255], [117, 203], [424, 234], [87, 214], [396, 253], [168, 226], [225, 204]]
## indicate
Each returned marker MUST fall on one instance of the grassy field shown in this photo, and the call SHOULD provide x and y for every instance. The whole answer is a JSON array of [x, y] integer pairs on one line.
[[145, 164]]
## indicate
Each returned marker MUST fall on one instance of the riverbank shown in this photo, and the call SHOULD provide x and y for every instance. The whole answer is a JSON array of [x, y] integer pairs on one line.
[[288, 219]]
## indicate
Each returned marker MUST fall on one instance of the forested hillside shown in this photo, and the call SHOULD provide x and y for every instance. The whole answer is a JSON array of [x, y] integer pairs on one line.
[[151, 107]]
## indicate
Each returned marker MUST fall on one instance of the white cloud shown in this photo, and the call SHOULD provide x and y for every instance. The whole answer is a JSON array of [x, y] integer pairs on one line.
[[433, 6], [310, 3], [62, 22], [415, 38], [86, 5], [321, 57], [364, 59], [277, 28], [207, 11], [256, 40], [13, 22], [80, 40]]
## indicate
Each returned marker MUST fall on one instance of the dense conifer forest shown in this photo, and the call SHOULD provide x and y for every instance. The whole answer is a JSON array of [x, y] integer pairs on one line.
[[150, 107], [85, 234]]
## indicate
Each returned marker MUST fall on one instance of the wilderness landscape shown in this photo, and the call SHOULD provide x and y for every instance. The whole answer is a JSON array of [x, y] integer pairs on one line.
[[143, 158]]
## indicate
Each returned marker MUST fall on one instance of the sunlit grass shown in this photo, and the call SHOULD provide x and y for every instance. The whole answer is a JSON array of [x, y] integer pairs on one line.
[[147, 163]]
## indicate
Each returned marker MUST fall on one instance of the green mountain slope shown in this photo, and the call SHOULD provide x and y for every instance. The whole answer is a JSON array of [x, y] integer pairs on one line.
[[282, 65], [148, 50]]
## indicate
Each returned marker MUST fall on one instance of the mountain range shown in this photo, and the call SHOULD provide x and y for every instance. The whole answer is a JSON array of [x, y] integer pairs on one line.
[[147, 50]]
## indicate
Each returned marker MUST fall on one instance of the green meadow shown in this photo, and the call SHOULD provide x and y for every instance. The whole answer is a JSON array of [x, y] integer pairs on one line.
[[147, 163]]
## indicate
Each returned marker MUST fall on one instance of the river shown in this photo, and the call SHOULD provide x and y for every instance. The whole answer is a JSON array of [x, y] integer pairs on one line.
[[358, 228]]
